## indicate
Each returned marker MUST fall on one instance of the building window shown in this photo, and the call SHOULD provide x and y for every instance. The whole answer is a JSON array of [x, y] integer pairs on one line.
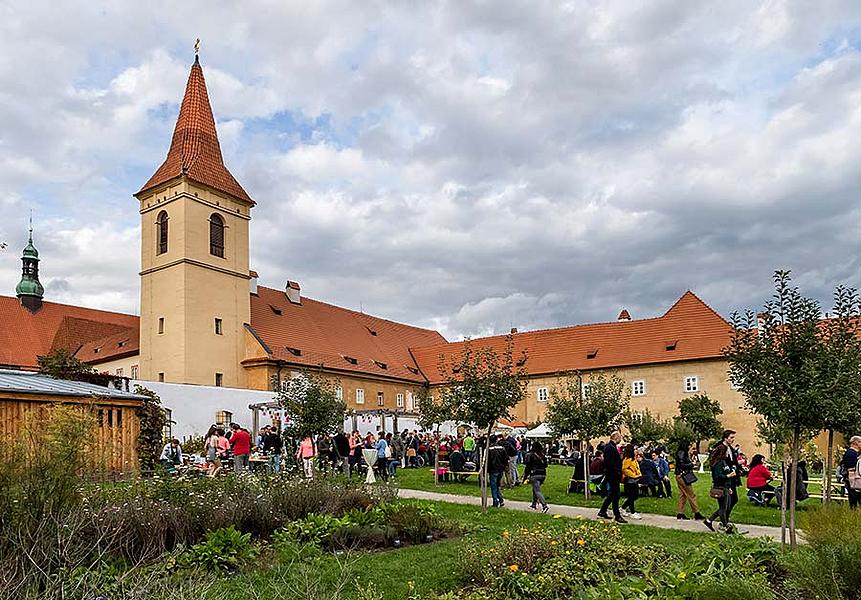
[[134, 371], [219, 378], [161, 377], [400, 400], [218, 329], [692, 383], [542, 394], [416, 403], [585, 390], [380, 400], [216, 235], [161, 226], [166, 431], [638, 388], [339, 393], [360, 396], [160, 325], [119, 372]]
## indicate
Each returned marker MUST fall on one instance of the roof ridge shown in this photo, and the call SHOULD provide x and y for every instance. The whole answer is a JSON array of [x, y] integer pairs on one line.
[[356, 312], [101, 310]]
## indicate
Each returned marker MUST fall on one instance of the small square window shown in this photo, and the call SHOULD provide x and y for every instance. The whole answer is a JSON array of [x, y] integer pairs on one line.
[[161, 325], [542, 394], [380, 399], [218, 327], [692, 383], [219, 379], [638, 388], [360, 396]]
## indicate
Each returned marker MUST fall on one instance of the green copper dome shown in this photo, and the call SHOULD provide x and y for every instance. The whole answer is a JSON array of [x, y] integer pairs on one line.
[[29, 287], [30, 250], [29, 290]]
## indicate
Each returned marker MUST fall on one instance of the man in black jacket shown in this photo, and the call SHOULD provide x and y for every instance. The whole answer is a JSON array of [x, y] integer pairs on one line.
[[342, 452], [497, 463], [612, 477]]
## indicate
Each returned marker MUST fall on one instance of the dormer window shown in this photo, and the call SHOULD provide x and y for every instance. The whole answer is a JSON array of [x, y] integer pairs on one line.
[[216, 235], [276, 310], [591, 353], [351, 360], [161, 229], [294, 351], [671, 345], [371, 331], [412, 370], [96, 350], [121, 344], [382, 365]]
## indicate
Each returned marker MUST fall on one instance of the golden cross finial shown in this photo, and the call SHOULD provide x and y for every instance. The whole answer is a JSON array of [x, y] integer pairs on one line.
[[196, 46]]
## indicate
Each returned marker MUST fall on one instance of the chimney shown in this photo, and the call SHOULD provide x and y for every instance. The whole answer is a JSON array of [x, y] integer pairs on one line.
[[624, 315], [292, 291], [252, 282], [513, 330]]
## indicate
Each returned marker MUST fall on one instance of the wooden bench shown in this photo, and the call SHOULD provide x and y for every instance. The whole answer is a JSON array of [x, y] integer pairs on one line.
[[459, 474]]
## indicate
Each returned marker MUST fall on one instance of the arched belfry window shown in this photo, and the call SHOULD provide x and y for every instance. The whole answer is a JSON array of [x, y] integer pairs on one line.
[[161, 226], [216, 235]]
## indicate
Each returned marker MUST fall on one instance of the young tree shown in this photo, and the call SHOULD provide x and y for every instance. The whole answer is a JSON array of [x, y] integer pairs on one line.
[[777, 362], [433, 412], [481, 387], [644, 427], [152, 421], [599, 411], [701, 413], [311, 405]]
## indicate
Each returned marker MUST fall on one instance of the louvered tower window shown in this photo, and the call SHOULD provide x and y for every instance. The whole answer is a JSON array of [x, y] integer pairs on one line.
[[161, 224], [216, 235]]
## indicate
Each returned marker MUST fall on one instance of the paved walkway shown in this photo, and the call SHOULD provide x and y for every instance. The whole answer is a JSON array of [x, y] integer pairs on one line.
[[661, 521]]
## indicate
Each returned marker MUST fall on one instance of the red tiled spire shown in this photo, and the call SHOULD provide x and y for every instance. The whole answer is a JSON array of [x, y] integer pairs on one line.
[[194, 149]]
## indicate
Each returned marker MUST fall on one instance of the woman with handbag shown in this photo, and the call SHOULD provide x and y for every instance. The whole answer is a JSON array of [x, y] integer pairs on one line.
[[685, 479], [536, 472], [631, 479], [723, 488]]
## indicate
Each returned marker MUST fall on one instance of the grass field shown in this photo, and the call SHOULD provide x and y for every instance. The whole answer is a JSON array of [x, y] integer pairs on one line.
[[556, 486], [431, 567]]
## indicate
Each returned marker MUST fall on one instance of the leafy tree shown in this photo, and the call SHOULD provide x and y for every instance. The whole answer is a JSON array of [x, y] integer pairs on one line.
[[60, 364], [599, 411], [701, 413], [481, 387], [311, 405], [152, 421], [681, 434], [644, 427], [789, 369]]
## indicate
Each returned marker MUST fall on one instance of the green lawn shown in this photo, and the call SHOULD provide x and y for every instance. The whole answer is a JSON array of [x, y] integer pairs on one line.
[[556, 486], [432, 567]]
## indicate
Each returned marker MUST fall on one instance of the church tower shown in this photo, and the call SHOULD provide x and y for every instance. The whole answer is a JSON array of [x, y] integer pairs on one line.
[[195, 297], [29, 290]]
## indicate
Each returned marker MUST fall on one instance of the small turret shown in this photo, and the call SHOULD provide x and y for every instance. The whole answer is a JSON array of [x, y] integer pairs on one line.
[[29, 290]]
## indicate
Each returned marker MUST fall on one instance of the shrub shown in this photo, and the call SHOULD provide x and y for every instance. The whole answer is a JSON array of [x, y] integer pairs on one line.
[[222, 550], [827, 567]]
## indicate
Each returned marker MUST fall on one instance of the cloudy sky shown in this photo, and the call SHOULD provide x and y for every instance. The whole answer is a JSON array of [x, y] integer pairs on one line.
[[466, 166]]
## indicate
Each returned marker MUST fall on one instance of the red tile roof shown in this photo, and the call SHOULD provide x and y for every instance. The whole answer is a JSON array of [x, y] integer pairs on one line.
[[194, 149], [25, 335], [696, 331], [125, 342], [324, 333]]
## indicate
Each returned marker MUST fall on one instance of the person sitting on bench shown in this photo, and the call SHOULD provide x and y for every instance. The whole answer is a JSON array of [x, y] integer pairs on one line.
[[651, 479], [758, 489]]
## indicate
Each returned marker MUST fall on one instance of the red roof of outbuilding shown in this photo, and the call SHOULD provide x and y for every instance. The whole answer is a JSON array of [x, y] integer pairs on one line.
[[125, 342], [25, 335], [690, 327], [194, 148], [330, 335]]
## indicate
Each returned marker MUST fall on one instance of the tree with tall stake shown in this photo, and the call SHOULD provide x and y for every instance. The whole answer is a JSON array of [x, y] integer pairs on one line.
[[481, 387], [701, 413], [590, 413], [780, 361], [311, 405], [433, 412]]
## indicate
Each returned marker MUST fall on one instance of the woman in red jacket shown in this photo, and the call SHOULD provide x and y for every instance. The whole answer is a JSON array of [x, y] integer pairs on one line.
[[758, 480]]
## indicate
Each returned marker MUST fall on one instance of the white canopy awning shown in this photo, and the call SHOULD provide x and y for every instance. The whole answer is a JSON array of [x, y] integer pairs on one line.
[[542, 431]]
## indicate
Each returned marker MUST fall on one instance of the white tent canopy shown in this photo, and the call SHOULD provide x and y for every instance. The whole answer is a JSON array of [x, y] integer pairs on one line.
[[542, 431]]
